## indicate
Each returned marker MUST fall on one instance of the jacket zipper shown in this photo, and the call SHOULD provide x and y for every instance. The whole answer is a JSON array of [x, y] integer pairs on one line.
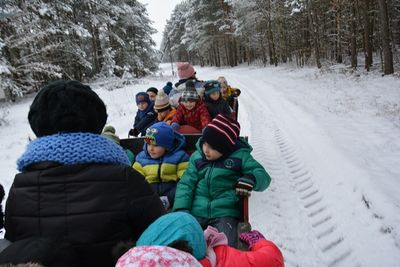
[[209, 194]]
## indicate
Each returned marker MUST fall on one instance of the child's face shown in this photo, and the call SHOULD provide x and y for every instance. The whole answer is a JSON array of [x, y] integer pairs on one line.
[[214, 96], [156, 151], [142, 106], [152, 96], [189, 104], [210, 153], [223, 88], [162, 115]]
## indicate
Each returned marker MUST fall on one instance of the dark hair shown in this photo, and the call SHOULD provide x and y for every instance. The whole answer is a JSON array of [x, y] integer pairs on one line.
[[182, 245]]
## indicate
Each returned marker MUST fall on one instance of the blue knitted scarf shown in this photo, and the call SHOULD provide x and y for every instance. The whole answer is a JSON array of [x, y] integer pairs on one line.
[[73, 148]]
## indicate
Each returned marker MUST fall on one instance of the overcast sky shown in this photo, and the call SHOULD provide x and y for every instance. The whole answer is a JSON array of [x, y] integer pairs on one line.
[[159, 11]]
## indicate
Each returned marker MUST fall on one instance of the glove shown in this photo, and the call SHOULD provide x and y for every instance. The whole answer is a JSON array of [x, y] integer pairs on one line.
[[165, 202], [134, 132], [237, 92], [251, 238], [244, 186], [175, 126]]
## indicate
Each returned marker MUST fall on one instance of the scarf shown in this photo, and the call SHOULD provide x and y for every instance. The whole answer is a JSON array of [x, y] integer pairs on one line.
[[73, 148]]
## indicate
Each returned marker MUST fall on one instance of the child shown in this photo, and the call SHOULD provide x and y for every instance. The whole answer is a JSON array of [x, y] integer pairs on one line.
[[213, 99], [228, 93], [165, 112], [181, 231], [220, 170], [191, 110], [145, 116], [163, 160], [261, 252], [186, 72], [109, 132], [152, 92]]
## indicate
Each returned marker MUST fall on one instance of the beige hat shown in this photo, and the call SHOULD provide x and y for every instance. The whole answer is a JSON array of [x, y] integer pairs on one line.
[[162, 101], [222, 80]]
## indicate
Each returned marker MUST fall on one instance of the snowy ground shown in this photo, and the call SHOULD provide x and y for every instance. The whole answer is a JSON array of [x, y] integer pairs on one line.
[[330, 142]]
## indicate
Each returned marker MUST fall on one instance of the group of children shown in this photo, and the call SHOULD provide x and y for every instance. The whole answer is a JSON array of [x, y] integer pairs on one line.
[[192, 102], [209, 184]]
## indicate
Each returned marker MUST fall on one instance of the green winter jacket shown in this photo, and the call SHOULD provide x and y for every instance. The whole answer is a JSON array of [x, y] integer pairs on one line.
[[207, 188]]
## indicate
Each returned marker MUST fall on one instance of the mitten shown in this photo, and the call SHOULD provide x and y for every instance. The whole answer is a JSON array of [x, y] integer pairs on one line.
[[134, 132], [175, 126], [252, 237], [165, 202], [244, 186]]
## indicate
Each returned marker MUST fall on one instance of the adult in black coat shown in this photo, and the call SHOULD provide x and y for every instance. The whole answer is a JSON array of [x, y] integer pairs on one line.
[[74, 184]]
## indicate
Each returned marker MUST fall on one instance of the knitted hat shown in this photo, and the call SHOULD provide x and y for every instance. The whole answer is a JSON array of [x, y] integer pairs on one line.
[[190, 92], [185, 70], [162, 102], [211, 87], [157, 256], [160, 134], [67, 106], [222, 80], [142, 97], [167, 88], [175, 226], [221, 134], [152, 89], [109, 132]]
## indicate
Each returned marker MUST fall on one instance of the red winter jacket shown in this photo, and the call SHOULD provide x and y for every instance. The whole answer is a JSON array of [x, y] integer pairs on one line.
[[198, 117], [263, 254]]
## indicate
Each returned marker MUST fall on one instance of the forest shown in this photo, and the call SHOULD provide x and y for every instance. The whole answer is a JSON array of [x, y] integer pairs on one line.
[[45, 40], [86, 40], [307, 32]]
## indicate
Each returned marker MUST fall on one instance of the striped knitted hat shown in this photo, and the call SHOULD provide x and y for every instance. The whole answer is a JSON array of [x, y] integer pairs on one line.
[[222, 133]]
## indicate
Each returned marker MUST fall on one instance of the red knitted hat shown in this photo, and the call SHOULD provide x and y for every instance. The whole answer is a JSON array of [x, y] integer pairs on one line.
[[222, 133]]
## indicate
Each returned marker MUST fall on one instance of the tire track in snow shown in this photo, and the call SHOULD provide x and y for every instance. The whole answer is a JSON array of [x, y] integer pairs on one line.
[[293, 197]]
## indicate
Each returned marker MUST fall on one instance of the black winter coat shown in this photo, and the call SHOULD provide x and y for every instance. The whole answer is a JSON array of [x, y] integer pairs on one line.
[[93, 206], [219, 106]]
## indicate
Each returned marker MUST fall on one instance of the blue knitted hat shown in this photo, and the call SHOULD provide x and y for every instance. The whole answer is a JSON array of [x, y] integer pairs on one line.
[[160, 134], [167, 88], [142, 97], [211, 86], [175, 226]]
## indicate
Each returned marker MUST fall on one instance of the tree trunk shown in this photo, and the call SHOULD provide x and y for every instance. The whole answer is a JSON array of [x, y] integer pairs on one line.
[[385, 33], [353, 37], [368, 35], [314, 29]]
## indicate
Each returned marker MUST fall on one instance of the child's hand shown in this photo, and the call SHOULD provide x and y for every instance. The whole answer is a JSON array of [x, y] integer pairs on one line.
[[251, 238], [175, 126], [244, 186]]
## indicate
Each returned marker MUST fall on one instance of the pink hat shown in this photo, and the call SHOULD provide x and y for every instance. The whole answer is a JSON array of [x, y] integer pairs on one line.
[[185, 70], [157, 256]]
